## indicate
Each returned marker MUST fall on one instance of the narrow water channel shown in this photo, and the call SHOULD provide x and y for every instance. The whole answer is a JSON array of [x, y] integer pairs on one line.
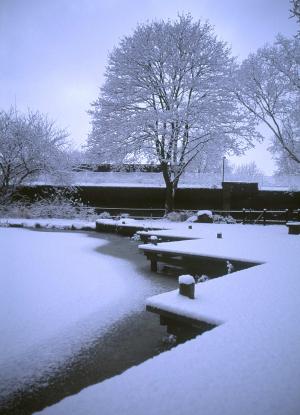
[[131, 339]]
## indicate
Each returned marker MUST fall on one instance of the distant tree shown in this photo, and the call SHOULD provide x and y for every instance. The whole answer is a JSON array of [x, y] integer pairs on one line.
[[269, 87], [166, 99], [285, 165], [248, 172], [295, 10], [29, 145]]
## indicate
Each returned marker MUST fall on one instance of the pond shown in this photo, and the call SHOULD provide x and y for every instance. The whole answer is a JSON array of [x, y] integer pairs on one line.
[[72, 313]]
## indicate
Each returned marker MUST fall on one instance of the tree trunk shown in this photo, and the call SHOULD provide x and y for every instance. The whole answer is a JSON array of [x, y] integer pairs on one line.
[[171, 187], [170, 197]]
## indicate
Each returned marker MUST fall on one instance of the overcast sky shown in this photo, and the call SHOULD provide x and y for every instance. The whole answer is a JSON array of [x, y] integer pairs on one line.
[[53, 52]]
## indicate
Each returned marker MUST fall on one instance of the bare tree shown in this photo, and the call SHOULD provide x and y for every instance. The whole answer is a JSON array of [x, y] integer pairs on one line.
[[295, 11], [269, 87], [166, 98], [247, 172], [29, 145]]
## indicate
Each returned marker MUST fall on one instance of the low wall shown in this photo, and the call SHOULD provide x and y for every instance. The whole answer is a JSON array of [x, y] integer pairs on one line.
[[186, 198]]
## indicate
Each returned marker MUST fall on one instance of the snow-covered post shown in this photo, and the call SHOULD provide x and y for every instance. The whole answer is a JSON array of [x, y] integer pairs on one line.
[[187, 286], [264, 216], [154, 239], [244, 216]]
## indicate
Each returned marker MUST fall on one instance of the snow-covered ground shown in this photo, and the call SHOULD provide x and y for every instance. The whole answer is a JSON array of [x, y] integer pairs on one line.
[[249, 364], [62, 224], [58, 294]]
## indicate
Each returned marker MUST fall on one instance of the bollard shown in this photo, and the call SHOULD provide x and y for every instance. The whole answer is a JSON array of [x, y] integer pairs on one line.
[[219, 235], [190, 227], [187, 286]]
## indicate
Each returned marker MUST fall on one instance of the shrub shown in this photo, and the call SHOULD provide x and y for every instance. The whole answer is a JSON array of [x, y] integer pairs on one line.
[[223, 219], [179, 216], [104, 215], [59, 203]]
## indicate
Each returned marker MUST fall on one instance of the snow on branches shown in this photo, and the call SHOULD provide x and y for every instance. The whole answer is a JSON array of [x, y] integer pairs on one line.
[[269, 87], [29, 144], [167, 98]]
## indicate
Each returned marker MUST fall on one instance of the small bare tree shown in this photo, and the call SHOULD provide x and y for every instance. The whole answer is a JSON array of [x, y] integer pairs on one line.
[[166, 98], [29, 145]]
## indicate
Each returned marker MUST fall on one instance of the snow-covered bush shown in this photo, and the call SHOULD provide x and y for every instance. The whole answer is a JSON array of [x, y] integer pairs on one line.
[[136, 237], [179, 216], [104, 215], [201, 278], [59, 203], [173, 216], [223, 219], [202, 216]]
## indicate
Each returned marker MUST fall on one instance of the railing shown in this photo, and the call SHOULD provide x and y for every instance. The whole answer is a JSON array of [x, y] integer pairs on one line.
[[263, 216]]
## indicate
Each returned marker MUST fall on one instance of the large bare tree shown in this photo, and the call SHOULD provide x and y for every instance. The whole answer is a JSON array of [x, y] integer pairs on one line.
[[166, 98]]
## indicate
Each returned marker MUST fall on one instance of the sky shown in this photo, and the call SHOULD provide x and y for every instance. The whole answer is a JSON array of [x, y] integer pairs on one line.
[[53, 53]]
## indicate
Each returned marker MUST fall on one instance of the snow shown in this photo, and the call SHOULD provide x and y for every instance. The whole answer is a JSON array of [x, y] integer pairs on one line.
[[186, 279], [57, 294], [239, 242], [204, 212], [54, 223], [132, 223], [249, 364], [188, 180]]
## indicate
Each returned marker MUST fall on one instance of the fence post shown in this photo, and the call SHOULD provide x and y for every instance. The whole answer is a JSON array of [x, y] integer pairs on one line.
[[264, 216], [286, 215], [244, 216]]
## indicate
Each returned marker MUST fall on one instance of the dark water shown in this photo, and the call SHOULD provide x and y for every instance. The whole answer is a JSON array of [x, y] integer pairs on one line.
[[131, 340]]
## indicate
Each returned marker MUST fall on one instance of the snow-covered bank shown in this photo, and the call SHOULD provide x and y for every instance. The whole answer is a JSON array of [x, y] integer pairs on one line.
[[52, 223], [58, 294], [250, 364]]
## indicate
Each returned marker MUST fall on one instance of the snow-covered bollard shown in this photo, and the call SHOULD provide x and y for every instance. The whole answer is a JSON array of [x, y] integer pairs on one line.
[[154, 239], [187, 286]]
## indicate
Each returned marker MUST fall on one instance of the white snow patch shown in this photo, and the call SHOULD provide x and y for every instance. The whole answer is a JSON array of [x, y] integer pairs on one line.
[[57, 294], [250, 364], [205, 212], [186, 279]]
